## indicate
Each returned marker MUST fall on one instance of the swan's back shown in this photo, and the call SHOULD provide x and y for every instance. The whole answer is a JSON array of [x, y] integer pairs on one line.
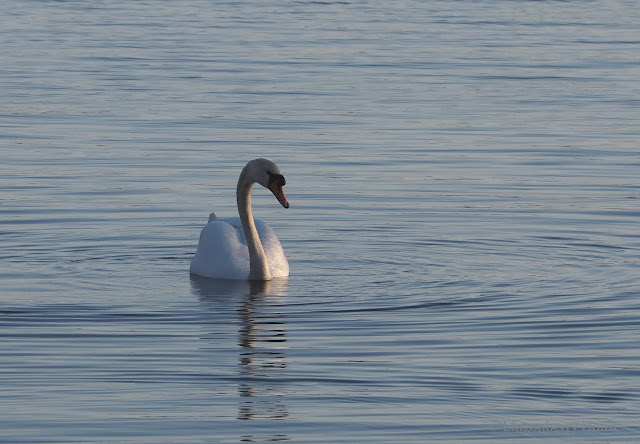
[[223, 253]]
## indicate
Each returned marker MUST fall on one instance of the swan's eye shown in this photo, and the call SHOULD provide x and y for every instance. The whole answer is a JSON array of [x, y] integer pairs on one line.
[[277, 179]]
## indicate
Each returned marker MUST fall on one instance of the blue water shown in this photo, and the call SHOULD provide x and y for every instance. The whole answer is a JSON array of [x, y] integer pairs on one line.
[[463, 231]]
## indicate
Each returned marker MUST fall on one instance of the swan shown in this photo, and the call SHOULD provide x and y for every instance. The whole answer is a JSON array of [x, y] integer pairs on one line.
[[243, 248]]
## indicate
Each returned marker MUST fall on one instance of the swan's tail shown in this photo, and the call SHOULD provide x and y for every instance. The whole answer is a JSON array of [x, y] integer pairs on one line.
[[212, 217]]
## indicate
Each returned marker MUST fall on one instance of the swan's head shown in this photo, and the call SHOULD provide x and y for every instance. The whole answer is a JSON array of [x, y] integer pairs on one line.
[[268, 174]]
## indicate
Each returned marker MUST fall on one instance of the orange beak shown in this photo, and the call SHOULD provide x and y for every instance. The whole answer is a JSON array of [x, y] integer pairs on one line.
[[277, 191]]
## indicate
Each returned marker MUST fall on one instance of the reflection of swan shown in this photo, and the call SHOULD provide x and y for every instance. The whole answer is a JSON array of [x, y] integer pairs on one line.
[[241, 248], [261, 385], [230, 291], [261, 343]]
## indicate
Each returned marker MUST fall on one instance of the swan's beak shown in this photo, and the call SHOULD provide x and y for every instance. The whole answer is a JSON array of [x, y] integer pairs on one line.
[[276, 182], [277, 191]]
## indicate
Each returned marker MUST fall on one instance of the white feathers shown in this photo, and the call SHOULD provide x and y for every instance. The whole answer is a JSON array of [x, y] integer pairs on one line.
[[223, 252], [241, 247]]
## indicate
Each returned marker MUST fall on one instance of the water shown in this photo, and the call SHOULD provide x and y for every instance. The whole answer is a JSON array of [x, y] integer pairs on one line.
[[463, 180]]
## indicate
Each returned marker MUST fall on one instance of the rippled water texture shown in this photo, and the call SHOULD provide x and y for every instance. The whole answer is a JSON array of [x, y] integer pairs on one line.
[[463, 231]]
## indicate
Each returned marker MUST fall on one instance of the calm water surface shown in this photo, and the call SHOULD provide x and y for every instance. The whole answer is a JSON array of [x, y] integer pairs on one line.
[[463, 231]]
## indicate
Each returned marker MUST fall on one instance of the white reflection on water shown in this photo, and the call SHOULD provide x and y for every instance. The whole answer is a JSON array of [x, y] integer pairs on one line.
[[262, 341]]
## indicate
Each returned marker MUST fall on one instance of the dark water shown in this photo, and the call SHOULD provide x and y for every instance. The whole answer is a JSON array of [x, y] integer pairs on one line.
[[463, 231]]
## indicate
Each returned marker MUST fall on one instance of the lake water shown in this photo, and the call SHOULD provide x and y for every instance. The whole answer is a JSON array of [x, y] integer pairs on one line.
[[463, 232]]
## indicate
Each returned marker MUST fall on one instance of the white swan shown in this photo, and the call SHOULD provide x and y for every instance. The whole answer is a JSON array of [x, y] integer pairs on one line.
[[241, 248]]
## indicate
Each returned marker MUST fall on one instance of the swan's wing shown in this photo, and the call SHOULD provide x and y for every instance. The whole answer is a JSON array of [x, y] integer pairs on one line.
[[278, 263], [221, 252]]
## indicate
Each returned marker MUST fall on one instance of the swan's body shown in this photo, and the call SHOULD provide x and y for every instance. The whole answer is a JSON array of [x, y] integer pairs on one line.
[[241, 247], [223, 252]]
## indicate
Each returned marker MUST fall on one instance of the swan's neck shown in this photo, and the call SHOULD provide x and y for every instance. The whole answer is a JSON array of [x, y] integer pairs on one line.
[[258, 265]]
